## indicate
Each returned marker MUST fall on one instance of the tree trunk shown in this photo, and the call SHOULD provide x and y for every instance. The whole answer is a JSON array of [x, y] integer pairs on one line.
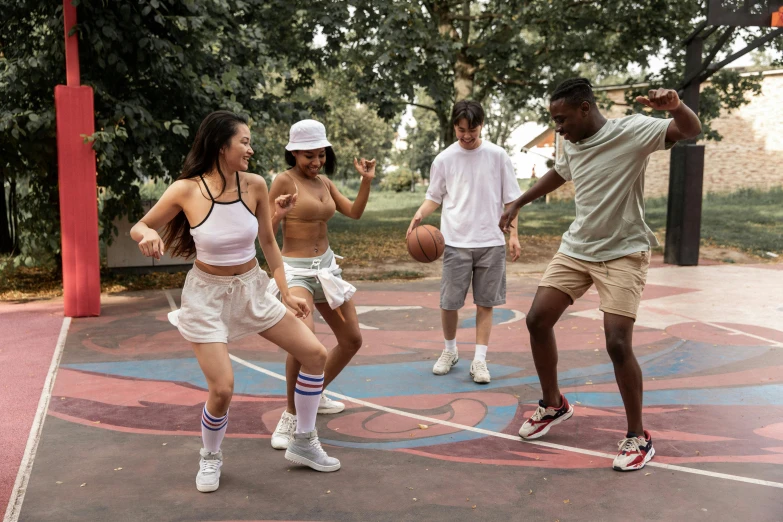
[[6, 235]]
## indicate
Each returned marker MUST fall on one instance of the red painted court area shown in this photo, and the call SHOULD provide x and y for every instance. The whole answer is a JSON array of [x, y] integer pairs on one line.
[[121, 437]]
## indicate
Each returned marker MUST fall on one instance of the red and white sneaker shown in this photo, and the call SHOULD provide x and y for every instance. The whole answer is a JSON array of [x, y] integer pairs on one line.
[[544, 418], [635, 452]]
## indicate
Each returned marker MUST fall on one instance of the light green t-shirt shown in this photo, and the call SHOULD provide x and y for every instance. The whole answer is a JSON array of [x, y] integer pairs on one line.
[[608, 174]]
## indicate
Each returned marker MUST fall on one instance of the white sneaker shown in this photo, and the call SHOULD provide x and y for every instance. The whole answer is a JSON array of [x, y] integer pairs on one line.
[[306, 449], [445, 362], [479, 372], [208, 478], [327, 406], [284, 433]]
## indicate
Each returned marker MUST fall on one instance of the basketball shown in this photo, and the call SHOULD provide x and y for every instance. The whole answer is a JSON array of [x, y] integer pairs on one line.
[[426, 244]]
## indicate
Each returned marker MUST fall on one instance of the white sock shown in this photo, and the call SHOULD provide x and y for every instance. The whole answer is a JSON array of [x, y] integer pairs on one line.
[[481, 352], [451, 346], [213, 429], [306, 397]]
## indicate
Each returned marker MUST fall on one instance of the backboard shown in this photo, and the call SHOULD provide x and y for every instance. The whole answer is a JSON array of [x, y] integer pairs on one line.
[[745, 13]]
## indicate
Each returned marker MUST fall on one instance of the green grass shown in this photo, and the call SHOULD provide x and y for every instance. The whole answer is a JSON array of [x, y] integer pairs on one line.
[[380, 234], [748, 220]]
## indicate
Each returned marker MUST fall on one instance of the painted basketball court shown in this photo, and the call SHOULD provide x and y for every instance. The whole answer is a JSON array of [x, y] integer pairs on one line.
[[121, 433]]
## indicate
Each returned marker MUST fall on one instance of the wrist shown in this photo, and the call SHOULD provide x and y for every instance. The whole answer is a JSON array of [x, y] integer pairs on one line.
[[679, 107]]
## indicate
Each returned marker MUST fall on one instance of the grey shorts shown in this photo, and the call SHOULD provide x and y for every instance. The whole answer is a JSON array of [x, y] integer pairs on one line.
[[311, 284], [486, 267], [220, 309]]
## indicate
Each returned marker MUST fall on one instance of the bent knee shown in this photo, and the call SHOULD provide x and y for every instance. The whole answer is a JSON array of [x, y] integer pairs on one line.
[[538, 323], [352, 342], [223, 392], [619, 351]]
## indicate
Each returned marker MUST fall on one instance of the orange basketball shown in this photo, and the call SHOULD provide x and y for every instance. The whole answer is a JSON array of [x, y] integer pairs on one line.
[[426, 244]]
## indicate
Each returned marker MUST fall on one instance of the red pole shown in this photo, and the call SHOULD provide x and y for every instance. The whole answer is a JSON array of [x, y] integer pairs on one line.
[[77, 184], [71, 46]]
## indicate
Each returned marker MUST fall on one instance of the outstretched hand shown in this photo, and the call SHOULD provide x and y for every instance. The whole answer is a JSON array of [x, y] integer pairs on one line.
[[152, 245], [365, 167], [660, 99], [285, 203]]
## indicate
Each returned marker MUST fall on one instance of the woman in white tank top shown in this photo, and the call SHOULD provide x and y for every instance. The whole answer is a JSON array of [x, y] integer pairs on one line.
[[216, 210]]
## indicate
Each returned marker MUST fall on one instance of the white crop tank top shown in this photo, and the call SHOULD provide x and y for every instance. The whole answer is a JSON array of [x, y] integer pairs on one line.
[[227, 236]]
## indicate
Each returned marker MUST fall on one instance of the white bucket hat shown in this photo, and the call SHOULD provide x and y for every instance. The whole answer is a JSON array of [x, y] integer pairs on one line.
[[307, 135]]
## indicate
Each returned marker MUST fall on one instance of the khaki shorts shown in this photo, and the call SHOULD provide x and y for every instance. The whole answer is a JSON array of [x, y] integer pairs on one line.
[[219, 309], [619, 282]]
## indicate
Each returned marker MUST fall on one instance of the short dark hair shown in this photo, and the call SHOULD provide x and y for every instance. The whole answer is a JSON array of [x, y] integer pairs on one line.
[[331, 160], [470, 110], [574, 91]]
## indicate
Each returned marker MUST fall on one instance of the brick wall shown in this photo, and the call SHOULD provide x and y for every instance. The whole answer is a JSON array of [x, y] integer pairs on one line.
[[749, 156]]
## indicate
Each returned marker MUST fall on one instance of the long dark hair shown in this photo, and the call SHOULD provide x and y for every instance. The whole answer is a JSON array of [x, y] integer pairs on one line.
[[329, 166], [214, 133]]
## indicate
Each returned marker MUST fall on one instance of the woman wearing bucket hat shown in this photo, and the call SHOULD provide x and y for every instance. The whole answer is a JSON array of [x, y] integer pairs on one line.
[[215, 210], [305, 201]]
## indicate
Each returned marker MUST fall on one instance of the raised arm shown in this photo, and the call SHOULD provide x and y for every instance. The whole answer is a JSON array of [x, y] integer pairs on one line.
[[169, 205], [685, 124], [355, 209]]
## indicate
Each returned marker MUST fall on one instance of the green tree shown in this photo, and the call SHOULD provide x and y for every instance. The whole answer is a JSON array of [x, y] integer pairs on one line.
[[511, 52], [157, 68], [422, 145]]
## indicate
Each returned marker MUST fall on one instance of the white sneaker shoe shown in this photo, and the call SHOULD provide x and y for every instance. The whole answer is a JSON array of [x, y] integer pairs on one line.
[[479, 372], [327, 406], [306, 449], [208, 478], [284, 433], [445, 362]]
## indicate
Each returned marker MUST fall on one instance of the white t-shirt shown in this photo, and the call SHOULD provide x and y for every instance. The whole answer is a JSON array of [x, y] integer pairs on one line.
[[608, 173], [472, 186]]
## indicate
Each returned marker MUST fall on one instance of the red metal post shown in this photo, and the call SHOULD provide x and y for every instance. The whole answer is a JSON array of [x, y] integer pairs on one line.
[[78, 187]]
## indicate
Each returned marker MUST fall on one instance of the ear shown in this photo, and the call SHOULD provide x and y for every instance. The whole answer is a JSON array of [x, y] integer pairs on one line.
[[585, 107]]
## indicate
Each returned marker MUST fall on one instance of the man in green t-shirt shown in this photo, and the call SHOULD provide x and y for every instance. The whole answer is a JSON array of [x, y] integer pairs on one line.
[[608, 243]]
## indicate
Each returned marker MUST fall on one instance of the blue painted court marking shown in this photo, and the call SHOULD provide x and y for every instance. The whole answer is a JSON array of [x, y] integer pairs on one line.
[[377, 380], [415, 378], [499, 315]]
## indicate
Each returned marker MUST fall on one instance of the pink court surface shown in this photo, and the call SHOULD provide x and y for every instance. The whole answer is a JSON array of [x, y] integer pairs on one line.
[[120, 433]]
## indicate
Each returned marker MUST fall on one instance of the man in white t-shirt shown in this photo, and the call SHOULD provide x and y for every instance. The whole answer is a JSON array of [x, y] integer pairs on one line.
[[473, 180], [607, 245]]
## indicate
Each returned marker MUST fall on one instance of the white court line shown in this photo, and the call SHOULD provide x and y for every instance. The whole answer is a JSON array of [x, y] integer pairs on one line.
[[728, 329], [170, 299], [26, 467], [516, 438]]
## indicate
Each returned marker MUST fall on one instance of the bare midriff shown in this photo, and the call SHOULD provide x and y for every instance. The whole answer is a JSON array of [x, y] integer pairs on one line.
[[227, 270], [303, 238]]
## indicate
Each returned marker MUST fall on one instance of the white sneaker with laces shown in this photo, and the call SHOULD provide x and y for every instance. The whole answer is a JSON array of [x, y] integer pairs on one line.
[[306, 449], [634, 453], [284, 432], [327, 406], [445, 362], [208, 478], [479, 372]]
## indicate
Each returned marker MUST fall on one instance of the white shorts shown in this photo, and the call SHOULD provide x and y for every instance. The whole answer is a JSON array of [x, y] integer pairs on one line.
[[219, 309]]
